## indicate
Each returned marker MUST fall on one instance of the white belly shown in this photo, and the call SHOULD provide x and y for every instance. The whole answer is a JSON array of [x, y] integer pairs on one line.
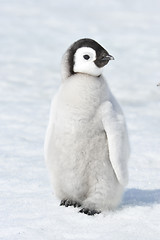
[[79, 155]]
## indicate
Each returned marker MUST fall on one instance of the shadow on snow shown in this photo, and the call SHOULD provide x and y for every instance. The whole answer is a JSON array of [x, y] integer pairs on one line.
[[137, 197]]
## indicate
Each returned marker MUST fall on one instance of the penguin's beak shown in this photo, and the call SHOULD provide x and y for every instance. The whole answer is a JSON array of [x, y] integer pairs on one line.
[[107, 58], [103, 58]]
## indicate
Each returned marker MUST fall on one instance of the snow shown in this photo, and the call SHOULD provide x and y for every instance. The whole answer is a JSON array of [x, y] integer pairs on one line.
[[33, 37]]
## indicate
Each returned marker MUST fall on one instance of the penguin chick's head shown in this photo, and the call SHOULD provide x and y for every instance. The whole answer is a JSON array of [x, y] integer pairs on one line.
[[87, 56]]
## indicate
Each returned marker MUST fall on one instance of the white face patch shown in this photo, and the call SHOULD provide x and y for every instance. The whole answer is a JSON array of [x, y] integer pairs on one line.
[[84, 59]]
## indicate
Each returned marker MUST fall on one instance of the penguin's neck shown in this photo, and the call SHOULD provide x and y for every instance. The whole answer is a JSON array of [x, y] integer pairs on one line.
[[82, 89]]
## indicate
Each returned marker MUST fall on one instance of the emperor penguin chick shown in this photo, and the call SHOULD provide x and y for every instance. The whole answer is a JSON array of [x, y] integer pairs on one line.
[[86, 145]]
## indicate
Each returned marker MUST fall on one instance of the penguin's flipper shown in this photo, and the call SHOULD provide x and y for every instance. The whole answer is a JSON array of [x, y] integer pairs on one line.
[[117, 137], [50, 130]]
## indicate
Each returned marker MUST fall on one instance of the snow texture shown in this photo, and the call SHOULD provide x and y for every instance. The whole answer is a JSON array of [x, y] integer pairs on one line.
[[33, 37]]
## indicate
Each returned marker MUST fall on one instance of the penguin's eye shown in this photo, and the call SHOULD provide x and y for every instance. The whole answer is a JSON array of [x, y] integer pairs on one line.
[[86, 57]]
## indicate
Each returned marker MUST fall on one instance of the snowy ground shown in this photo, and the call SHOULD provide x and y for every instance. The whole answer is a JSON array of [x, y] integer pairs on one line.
[[33, 36]]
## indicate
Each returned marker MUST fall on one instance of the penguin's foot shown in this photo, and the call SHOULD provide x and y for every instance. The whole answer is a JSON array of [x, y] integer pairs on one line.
[[68, 202], [89, 211]]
